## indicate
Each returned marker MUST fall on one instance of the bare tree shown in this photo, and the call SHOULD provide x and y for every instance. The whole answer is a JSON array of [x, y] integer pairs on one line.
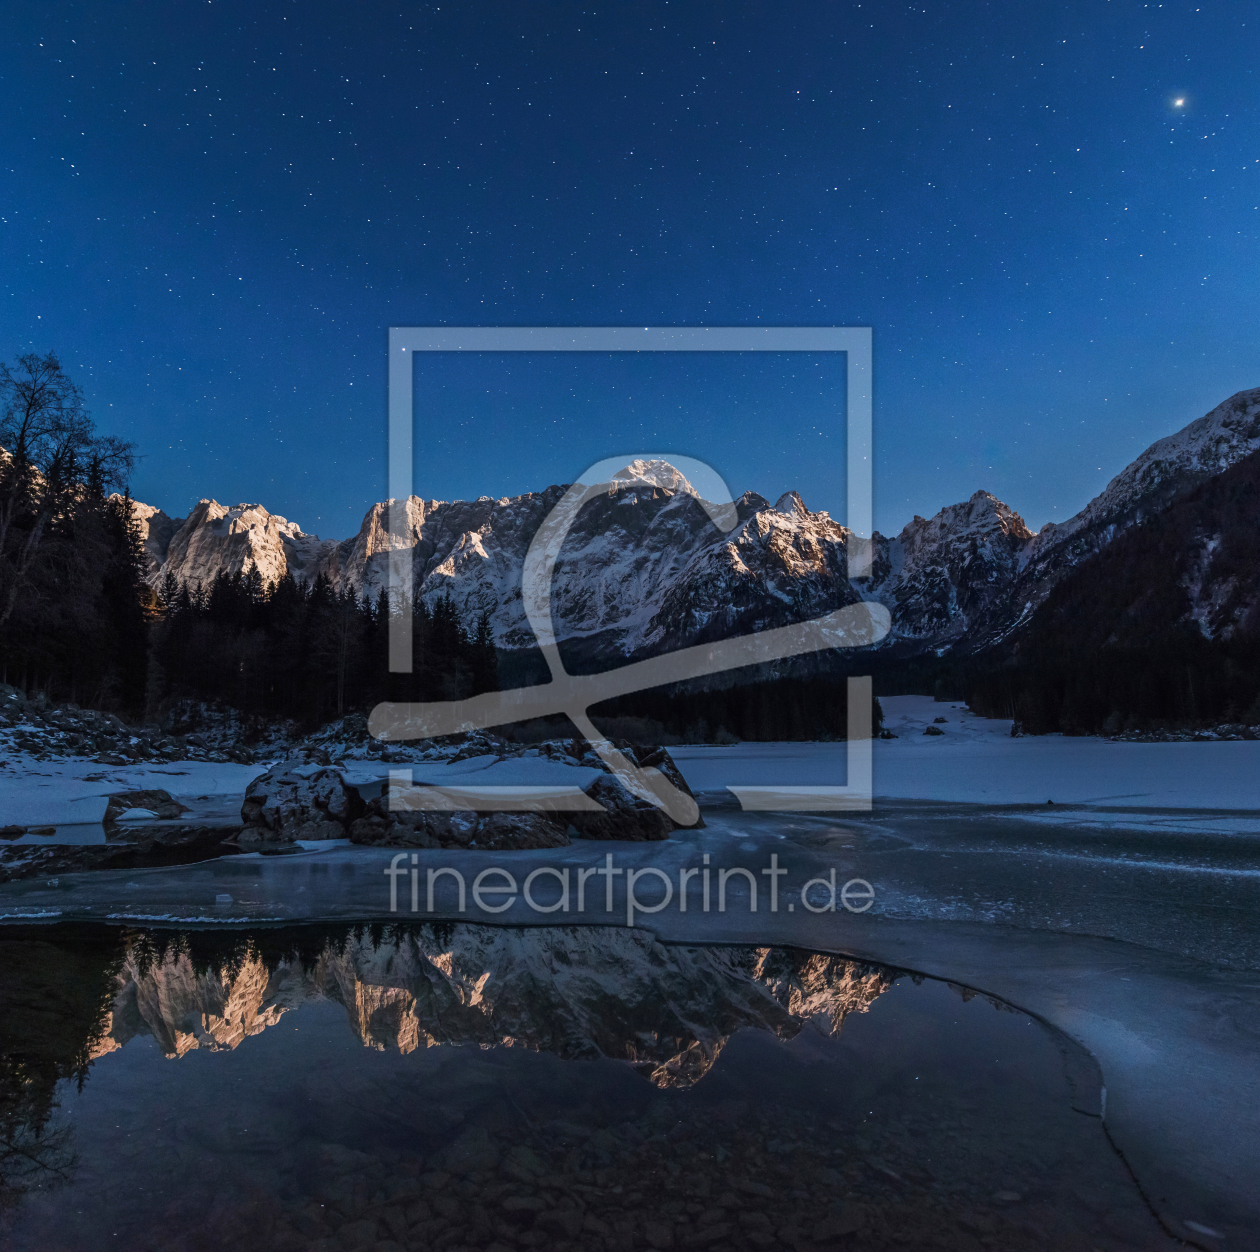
[[50, 459]]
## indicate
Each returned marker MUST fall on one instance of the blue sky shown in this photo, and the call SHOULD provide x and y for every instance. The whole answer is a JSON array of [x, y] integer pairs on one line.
[[1047, 212]]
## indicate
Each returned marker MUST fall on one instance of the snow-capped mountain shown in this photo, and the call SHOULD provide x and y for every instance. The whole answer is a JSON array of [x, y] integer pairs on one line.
[[1167, 468], [941, 577], [644, 569], [213, 538]]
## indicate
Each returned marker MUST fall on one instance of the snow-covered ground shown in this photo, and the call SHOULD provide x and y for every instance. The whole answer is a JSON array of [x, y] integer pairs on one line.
[[976, 761], [973, 761], [73, 790]]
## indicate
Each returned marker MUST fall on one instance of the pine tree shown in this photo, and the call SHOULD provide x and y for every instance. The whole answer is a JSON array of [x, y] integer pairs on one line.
[[484, 660]]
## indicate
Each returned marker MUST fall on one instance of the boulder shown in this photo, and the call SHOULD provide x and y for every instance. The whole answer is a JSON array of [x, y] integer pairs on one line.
[[297, 800], [159, 803], [626, 815]]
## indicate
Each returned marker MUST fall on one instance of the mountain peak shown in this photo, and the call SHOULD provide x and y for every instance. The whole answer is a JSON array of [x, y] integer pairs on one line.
[[655, 473], [790, 502]]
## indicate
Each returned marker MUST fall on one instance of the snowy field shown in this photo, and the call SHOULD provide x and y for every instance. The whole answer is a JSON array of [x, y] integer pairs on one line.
[[74, 790], [976, 761]]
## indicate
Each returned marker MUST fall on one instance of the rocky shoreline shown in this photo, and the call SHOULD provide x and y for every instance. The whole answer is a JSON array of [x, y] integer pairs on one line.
[[311, 798]]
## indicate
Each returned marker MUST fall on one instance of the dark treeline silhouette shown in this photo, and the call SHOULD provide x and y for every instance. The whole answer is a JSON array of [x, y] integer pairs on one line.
[[757, 708], [305, 651], [73, 604]]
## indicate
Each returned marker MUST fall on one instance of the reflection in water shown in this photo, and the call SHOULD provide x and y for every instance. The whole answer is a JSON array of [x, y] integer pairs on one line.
[[615, 1094], [575, 992], [54, 999]]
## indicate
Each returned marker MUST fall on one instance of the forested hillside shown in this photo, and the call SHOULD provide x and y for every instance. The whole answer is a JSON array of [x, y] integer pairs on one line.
[[1161, 627]]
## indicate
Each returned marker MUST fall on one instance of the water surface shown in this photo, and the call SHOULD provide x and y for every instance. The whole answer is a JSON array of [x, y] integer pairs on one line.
[[464, 1086]]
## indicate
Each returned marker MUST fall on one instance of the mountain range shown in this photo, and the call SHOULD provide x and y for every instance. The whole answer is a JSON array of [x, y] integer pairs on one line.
[[644, 570]]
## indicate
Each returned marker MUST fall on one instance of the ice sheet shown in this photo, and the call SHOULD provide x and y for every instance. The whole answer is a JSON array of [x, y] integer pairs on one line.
[[976, 761], [73, 789]]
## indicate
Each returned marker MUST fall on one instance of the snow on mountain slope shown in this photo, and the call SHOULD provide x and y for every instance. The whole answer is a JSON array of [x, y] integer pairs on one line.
[[644, 569], [214, 538], [156, 530], [1207, 446], [943, 577]]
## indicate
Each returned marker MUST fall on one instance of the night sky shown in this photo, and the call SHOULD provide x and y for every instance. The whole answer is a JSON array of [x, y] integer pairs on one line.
[[1048, 213]]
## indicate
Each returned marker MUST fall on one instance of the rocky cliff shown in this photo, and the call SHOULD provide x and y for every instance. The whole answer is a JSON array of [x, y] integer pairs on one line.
[[645, 570]]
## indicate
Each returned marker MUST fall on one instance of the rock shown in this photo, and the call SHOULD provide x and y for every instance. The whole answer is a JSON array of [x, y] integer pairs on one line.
[[523, 1203], [524, 1164], [627, 816], [355, 1235], [844, 1221], [471, 1153], [566, 1223], [418, 1211], [940, 720], [319, 830], [311, 801], [395, 1220], [403, 1191], [659, 1234], [978, 1224], [296, 800], [757, 1189], [383, 827], [705, 1236], [933, 730], [159, 803]]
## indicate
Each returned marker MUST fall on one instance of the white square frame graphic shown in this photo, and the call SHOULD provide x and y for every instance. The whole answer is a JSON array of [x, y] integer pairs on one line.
[[854, 341]]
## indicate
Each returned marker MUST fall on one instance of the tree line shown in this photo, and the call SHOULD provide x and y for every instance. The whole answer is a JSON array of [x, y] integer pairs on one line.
[[306, 651], [79, 623], [73, 604], [1119, 643]]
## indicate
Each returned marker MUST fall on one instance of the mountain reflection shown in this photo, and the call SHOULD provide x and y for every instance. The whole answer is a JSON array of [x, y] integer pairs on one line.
[[72, 995], [577, 992]]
